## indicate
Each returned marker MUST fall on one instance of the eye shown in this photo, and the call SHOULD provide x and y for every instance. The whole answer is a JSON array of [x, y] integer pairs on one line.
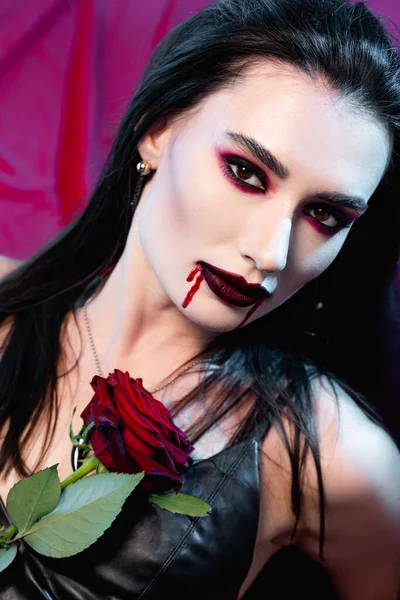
[[244, 173], [328, 217], [323, 216]]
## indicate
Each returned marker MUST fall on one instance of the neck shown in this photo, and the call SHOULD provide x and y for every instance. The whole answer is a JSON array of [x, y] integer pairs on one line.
[[136, 327]]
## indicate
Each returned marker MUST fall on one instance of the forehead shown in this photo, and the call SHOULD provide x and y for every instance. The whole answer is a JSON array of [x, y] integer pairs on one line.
[[311, 128]]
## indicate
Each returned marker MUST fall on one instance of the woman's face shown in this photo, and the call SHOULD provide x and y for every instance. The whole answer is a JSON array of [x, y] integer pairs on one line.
[[263, 181]]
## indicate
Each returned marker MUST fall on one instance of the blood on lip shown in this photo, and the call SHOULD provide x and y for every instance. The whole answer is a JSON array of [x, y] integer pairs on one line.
[[193, 273], [249, 314], [198, 271], [195, 287]]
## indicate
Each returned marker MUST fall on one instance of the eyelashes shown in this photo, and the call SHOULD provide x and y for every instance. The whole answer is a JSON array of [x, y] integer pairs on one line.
[[249, 178], [317, 213], [242, 172]]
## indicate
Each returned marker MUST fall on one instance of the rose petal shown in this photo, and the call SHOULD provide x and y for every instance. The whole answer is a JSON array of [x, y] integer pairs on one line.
[[98, 440], [143, 400], [100, 448], [104, 416], [133, 389], [134, 444], [128, 411], [121, 459], [152, 467], [178, 456], [135, 432], [159, 484], [152, 439]]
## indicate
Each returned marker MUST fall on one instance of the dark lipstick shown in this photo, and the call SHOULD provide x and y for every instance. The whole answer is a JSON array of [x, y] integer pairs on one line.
[[232, 288]]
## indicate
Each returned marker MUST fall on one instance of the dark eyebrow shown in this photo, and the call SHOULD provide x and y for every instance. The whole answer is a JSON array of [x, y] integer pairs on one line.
[[353, 202], [266, 157]]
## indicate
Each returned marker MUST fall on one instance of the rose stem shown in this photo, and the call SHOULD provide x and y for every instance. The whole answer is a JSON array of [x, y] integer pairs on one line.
[[87, 467], [9, 532]]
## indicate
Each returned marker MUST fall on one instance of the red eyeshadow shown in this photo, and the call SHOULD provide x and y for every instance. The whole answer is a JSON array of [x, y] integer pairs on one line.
[[320, 229], [224, 155]]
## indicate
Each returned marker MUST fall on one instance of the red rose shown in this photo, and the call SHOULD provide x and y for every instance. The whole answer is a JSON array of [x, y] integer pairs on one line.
[[134, 432]]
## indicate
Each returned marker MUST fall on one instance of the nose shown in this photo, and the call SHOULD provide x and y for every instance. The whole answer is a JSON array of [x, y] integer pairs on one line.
[[268, 249]]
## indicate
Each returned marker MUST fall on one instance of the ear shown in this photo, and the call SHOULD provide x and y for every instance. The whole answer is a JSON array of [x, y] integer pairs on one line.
[[153, 143]]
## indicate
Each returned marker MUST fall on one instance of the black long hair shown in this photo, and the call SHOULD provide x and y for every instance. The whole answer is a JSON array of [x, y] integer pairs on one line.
[[348, 47]]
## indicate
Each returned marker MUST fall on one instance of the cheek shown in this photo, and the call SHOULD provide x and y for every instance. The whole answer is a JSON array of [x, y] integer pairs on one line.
[[197, 197], [312, 261], [185, 212], [306, 261]]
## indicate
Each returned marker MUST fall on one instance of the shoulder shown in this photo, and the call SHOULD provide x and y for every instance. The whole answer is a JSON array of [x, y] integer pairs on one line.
[[357, 455], [361, 476], [350, 441], [7, 265]]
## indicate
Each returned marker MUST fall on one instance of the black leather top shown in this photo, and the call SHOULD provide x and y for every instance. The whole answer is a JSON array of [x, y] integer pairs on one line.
[[151, 553]]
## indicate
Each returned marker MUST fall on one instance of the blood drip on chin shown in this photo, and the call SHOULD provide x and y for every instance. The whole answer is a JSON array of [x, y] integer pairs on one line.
[[195, 287], [249, 314], [193, 273]]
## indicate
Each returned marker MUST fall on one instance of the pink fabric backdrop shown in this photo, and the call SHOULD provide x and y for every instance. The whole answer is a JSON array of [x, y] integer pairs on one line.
[[67, 69]]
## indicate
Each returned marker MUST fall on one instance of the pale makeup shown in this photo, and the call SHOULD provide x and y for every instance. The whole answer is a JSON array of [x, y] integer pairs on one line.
[[211, 199], [271, 230]]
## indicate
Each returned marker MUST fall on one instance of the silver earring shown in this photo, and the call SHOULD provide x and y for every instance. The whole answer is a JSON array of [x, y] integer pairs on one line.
[[143, 168]]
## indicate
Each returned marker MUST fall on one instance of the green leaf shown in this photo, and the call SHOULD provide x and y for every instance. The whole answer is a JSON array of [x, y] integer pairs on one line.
[[33, 497], [182, 504], [70, 430], [79, 440], [7, 555], [86, 431], [86, 509]]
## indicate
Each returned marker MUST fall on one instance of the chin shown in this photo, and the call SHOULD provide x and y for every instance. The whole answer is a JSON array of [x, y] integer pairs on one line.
[[214, 320]]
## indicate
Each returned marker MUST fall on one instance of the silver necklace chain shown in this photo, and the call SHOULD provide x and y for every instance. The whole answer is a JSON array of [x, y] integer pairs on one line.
[[98, 365]]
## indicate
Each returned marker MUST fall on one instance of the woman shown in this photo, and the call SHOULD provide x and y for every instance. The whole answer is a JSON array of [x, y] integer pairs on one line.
[[247, 218]]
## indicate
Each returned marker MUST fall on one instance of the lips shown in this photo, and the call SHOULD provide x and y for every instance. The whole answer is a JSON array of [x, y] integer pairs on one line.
[[232, 288]]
